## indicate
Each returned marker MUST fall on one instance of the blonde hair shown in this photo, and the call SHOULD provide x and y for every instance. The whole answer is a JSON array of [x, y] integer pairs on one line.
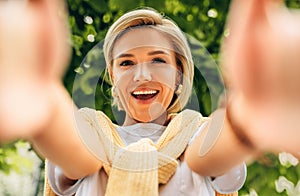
[[150, 18]]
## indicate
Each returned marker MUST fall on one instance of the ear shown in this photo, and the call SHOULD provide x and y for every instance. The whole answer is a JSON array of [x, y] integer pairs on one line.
[[110, 73], [178, 80], [178, 76]]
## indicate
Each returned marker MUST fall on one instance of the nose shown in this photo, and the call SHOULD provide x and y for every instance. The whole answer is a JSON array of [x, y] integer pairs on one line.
[[142, 73]]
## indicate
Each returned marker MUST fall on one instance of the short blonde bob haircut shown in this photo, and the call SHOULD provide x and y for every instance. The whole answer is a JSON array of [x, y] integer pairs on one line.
[[150, 18]]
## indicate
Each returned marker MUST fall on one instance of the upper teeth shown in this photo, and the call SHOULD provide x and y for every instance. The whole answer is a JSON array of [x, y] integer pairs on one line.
[[144, 92]]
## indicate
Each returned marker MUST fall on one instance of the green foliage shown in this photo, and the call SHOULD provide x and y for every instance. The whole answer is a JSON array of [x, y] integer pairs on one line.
[[85, 79], [263, 174], [11, 160]]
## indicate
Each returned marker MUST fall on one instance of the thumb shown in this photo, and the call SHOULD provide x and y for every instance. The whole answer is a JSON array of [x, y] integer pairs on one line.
[[51, 16], [243, 51]]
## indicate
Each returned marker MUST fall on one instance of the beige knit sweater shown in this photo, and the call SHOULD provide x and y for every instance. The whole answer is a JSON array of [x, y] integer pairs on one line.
[[139, 168]]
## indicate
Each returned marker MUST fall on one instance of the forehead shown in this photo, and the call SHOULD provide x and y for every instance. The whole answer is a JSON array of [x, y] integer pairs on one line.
[[140, 38]]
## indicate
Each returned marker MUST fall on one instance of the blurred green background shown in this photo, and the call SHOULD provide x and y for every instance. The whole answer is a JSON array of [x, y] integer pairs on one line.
[[203, 21]]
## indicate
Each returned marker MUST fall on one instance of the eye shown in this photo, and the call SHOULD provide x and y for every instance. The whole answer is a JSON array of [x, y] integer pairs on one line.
[[158, 60], [126, 63]]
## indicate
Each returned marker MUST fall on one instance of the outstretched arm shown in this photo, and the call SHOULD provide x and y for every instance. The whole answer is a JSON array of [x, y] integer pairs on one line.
[[34, 52], [261, 65]]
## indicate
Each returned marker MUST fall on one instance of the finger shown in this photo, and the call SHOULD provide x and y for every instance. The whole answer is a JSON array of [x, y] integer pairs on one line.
[[52, 18], [18, 40], [283, 57], [243, 52]]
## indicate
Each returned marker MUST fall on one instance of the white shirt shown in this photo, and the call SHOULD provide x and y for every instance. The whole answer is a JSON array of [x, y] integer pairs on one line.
[[183, 182]]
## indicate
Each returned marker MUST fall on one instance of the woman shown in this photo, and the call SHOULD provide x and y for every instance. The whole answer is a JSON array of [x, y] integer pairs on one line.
[[148, 59], [147, 63]]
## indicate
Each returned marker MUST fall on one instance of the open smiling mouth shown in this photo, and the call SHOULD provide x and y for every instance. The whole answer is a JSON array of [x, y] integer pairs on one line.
[[144, 95]]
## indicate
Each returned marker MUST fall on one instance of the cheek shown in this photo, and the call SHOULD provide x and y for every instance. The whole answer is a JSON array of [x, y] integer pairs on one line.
[[167, 77], [120, 77], [121, 83]]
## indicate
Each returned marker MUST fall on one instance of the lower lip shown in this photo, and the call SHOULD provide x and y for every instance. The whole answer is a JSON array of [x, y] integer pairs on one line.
[[147, 101]]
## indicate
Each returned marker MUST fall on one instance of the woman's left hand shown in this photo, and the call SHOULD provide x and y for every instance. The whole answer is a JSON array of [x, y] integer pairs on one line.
[[261, 64]]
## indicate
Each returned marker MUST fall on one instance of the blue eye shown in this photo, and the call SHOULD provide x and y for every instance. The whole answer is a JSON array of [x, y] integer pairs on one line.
[[158, 60], [126, 63]]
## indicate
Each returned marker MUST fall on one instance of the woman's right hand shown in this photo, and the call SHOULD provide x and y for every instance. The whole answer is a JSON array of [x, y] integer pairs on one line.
[[34, 53]]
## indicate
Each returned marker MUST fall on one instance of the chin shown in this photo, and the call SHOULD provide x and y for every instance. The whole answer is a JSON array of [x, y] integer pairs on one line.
[[155, 113], [154, 118], [144, 119]]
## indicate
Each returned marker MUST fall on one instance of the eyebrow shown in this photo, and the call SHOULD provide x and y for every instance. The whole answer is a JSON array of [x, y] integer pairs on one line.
[[124, 55], [158, 52], [149, 53]]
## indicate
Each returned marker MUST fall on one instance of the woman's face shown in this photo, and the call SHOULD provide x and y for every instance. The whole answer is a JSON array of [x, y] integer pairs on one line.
[[144, 73]]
